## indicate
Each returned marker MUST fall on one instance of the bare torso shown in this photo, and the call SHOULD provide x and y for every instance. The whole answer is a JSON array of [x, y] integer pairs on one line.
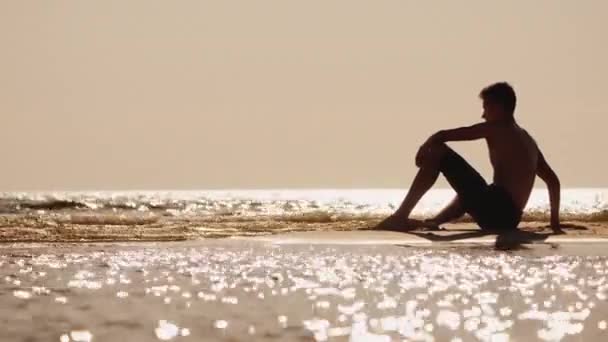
[[514, 157]]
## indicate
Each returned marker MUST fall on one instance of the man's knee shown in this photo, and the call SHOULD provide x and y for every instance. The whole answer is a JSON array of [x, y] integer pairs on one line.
[[440, 149], [432, 157]]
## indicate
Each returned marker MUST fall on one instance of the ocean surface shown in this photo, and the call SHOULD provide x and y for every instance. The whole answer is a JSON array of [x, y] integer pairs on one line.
[[131, 215]]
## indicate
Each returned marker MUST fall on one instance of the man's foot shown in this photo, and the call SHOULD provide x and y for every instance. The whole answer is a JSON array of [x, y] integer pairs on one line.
[[399, 224]]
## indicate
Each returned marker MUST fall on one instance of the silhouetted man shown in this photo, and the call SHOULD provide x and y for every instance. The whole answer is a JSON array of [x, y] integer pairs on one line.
[[515, 158]]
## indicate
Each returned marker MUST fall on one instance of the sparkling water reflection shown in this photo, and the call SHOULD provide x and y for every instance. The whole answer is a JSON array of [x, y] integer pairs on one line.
[[362, 293]]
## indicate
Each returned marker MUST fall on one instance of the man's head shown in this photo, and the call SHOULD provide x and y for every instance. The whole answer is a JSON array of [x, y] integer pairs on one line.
[[498, 102]]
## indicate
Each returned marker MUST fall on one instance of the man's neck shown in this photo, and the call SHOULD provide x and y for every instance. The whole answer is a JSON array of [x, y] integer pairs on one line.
[[506, 120]]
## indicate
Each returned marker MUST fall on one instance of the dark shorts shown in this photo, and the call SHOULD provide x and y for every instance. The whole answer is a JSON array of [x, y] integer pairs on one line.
[[490, 206]]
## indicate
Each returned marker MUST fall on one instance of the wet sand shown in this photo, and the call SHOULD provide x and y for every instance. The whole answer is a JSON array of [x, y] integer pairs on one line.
[[303, 286], [74, 226]]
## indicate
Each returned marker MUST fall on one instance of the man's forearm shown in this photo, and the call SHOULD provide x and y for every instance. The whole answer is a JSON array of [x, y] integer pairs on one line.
[[474, 132]]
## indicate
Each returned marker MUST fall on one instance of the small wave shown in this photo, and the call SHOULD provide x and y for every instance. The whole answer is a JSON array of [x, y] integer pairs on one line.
[[107, 219], [52, 205], [325, 217], [15, 205]]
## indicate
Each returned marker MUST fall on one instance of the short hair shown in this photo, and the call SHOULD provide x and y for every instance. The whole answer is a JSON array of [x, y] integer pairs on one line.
[[502, 94]]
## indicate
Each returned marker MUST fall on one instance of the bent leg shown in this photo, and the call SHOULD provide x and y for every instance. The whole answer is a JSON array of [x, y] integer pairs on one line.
[[464, 179], [424, 180]]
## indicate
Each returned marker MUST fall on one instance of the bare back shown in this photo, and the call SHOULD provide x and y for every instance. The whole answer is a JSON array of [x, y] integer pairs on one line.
[[514, 157]]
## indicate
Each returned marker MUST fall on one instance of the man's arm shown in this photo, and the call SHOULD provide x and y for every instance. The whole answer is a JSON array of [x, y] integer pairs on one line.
[[478, 131], [545, 173]]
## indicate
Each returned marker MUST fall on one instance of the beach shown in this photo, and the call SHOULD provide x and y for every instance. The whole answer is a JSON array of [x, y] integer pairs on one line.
[[276, 266]]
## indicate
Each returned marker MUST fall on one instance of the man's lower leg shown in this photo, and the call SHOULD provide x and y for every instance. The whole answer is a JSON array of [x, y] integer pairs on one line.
[[424, 180]]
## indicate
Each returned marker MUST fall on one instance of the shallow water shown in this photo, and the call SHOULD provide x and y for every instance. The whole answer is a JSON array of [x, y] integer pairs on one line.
[[576, 202], [231, 290]]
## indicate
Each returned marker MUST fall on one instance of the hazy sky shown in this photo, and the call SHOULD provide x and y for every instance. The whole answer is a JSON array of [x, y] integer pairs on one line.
[[199, 94]]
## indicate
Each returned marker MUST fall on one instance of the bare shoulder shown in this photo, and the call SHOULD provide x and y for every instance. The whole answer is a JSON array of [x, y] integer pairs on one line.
[[491, 128], [506, 131], [527, 136]]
